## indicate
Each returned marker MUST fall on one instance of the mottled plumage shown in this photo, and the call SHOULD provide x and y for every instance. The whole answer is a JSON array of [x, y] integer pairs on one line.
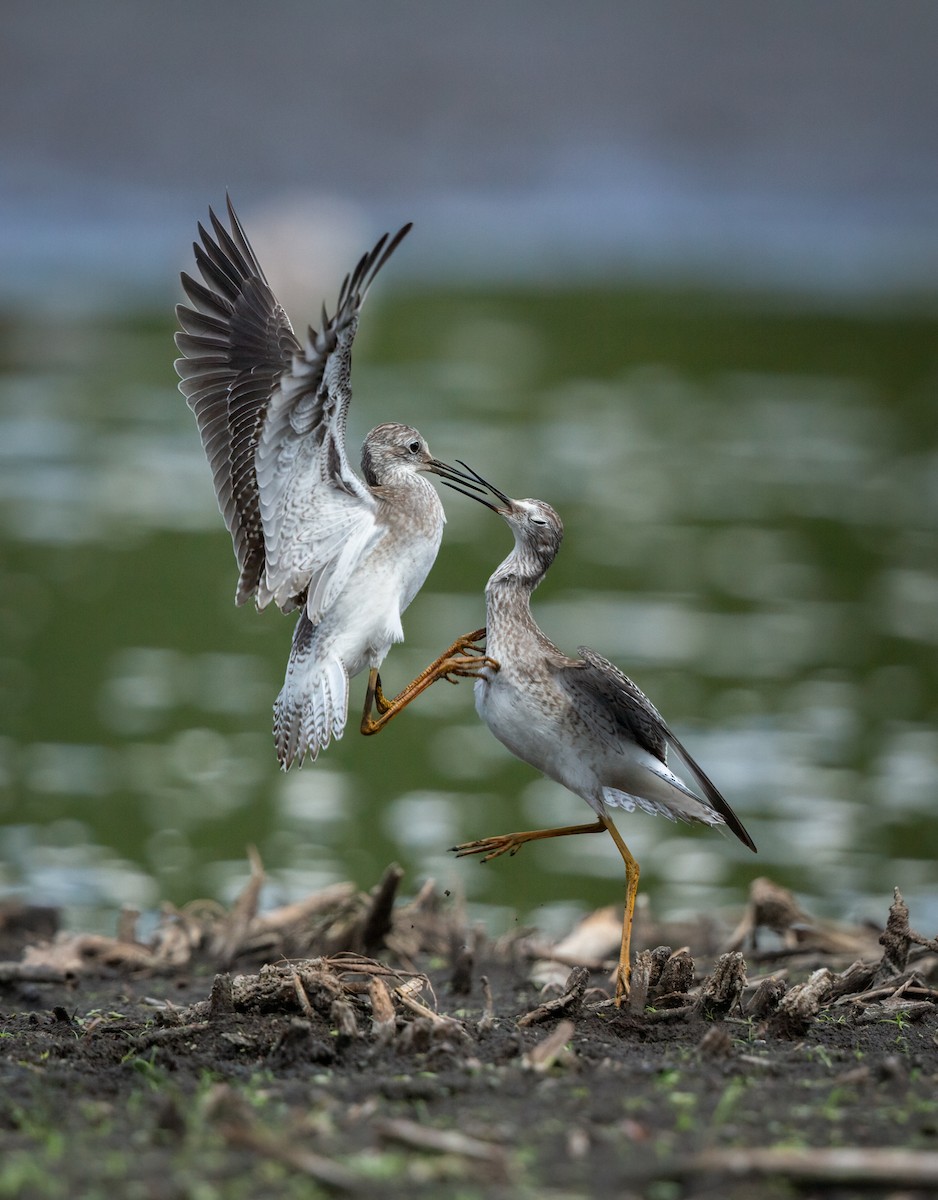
[[307, 531], [578, 720]]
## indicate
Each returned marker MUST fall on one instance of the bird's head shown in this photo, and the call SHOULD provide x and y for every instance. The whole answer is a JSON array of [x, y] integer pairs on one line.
[[537, 528], [392, 450]]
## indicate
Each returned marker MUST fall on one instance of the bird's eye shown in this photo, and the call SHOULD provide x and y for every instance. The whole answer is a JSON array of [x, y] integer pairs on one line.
[[414, 447], [538, 521]]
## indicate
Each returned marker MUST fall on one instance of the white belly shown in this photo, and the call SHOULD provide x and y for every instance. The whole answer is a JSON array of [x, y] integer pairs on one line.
[[365, 620], [564, 749], [533, 733]]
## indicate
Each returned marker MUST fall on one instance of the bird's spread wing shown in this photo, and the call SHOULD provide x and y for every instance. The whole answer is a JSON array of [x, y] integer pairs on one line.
[[272, 415], [236, 341], [318, 516], [614, 706]]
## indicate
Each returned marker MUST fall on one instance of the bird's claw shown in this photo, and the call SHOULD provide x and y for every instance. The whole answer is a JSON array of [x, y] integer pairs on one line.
[[458, 667], [467, 644], [623, 983], [490, 847]]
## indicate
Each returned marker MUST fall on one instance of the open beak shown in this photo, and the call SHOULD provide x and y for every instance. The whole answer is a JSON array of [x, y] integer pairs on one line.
[[446, 472], [439, 467], [470, 483]]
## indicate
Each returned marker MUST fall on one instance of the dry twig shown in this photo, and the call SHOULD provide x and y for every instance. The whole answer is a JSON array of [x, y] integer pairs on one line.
[[570, 1001], [899, 1167], [543, 1056]]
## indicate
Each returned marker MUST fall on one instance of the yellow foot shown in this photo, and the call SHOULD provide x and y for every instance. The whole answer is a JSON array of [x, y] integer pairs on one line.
[[491, 847], [457, 666], [467, 643], [623, 975]]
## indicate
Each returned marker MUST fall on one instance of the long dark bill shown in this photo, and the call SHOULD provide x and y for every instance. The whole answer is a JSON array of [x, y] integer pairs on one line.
[[445, 471], [470, 483], [458, 480]]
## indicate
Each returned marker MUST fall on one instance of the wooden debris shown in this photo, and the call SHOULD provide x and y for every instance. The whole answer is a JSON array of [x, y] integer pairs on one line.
[[801, 1003], [169, 1033], [543, 1056], [383, 1017], [487, 1020], [202, 927], [230, 936], [640, 981], [806, 998], [677, 976], [669, 1016], [341, 986], [181, 934], [442, 1141], [865, 1167], [291, 926], [220, 1001], [897, 939], [301, 997], [438, 1023], [570, 1001], [593, 940], [722, 989], [765, 999], [645, 974], [342, 1016], [774, 908], [376, 922], [589, 944], [273, 988], [250, 1135], [425, 925], [911, 1010], [80, 953], [661, 977], [855, 978], [38, 972]]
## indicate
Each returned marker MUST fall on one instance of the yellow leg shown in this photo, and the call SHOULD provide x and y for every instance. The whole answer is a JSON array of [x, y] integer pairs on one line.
[[463, 659], [382, 703], [511, 843], [632, 872]]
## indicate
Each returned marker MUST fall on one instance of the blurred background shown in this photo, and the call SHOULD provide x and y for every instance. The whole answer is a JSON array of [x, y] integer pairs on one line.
[[673, 269]]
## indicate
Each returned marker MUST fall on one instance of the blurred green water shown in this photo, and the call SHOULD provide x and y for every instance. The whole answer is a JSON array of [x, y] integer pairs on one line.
[[750, 495]]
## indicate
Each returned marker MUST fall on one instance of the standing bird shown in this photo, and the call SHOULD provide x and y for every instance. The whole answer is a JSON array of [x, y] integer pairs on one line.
[[578, 720], [308, 533]]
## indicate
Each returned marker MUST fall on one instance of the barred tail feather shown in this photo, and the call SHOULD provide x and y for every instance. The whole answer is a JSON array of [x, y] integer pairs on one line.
[[679, 804], [313, 702]]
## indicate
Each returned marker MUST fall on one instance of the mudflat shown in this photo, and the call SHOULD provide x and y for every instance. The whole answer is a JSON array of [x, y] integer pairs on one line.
[[377, 1044]]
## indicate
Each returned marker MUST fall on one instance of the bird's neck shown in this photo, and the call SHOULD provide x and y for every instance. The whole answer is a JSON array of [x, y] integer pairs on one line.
[[508, 602], [521, 572]]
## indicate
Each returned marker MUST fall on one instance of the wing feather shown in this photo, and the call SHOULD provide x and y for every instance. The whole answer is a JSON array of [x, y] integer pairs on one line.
[[613, 705], [318, 515], [236, 341], [272, 416]]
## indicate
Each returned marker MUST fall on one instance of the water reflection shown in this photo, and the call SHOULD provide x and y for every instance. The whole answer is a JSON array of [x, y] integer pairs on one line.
[[751, 511]]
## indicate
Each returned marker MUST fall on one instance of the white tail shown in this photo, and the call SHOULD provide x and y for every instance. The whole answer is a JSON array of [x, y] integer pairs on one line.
[[313, 702]]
